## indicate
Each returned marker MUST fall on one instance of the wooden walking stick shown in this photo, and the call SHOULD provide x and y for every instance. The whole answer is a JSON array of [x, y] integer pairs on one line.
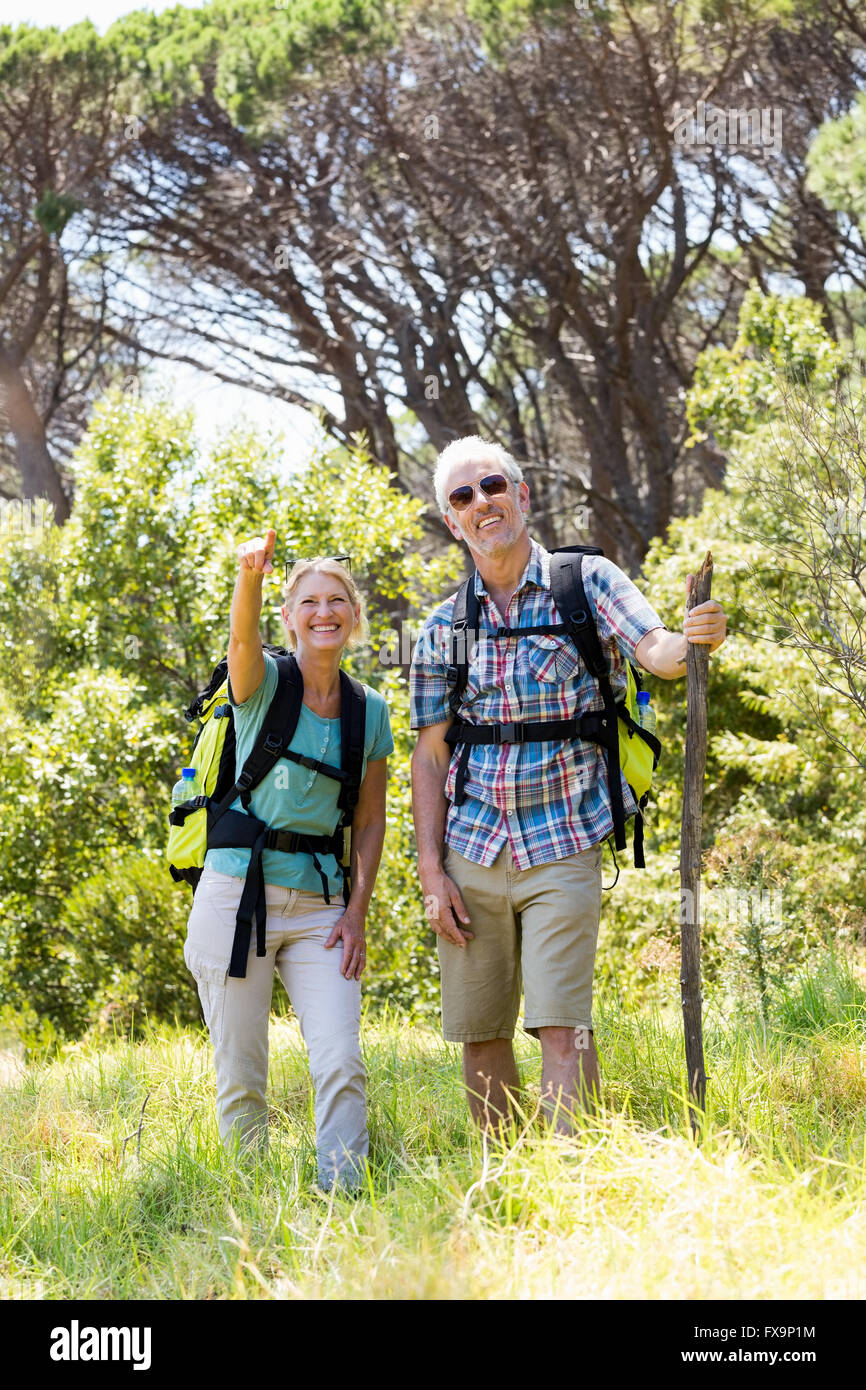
[[697, 662]]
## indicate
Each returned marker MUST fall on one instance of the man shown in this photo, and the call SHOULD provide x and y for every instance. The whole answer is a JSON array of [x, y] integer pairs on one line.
[[512, 875]]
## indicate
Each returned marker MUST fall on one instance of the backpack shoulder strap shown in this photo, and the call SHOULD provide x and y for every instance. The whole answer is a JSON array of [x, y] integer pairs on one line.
[[218, 678], [569, 595], [464, 634], [194, 709], [353, 728], [278, 727]]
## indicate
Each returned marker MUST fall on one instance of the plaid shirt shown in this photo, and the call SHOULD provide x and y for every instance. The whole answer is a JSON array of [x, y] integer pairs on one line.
[[548, 800]]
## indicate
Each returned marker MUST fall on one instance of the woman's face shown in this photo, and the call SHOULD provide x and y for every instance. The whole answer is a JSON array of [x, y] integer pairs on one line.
[[321, 613]]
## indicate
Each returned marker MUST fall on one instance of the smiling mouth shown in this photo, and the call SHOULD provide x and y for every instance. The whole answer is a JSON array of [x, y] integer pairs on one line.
[[327, 627], [488, 521]]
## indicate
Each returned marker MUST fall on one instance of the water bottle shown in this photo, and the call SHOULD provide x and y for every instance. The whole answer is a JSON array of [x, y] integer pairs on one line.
[[188, 786], [646, 715]]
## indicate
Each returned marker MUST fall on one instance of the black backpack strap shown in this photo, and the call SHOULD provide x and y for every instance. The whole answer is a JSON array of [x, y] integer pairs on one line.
[[353, 732], [237, 830], [464, 634], [219, 674], [637, 838], [277, 730], [353, 729], [220, 671], [569, 595], [278, 727]]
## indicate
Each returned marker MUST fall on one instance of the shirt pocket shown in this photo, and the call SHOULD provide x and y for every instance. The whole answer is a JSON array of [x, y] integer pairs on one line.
[[481, 678], [552, 659]]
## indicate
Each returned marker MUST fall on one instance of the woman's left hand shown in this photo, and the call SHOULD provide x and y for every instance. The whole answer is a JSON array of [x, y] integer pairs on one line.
[[350, 930]]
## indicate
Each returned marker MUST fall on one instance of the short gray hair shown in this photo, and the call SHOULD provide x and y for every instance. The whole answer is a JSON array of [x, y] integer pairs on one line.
[[464, 450]]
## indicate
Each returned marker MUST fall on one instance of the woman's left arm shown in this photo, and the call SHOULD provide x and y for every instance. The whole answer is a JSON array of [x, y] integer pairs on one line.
[[368, 836]]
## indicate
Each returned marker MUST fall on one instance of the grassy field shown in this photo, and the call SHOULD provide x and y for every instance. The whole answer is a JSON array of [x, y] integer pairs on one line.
[[114, 1184]]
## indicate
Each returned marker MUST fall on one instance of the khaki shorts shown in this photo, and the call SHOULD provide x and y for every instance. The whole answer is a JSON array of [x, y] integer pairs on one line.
[[540, 924]]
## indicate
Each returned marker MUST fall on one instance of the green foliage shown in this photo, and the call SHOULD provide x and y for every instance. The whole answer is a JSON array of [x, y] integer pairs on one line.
[[828, 997], [837, 162], [119, 948], [54, 210], [132, 599], [402, 949], [82, 785], [784, 814], [246, 52], [780, 341]]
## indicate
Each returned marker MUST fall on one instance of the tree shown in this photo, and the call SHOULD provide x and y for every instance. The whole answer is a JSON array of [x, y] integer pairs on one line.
[[784, 402], [60, 133], [483, 216], [486, 217]]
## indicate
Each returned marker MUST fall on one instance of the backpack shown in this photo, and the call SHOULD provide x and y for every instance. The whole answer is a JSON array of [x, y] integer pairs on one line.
[[207, 822], [628, 748]]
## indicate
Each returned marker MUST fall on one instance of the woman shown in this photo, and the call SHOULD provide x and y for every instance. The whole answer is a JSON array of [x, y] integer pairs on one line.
[[318, 949]]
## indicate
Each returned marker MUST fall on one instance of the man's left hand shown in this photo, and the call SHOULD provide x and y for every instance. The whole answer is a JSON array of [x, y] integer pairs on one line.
[[706, 623]]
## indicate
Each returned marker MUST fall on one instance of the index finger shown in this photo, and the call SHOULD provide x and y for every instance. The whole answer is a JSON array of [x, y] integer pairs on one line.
[[450, 927], [458, 906], [351, 957], [710, 605], [270, 542]]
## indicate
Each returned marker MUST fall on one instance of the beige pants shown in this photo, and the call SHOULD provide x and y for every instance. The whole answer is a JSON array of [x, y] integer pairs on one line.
[[536, 926], [237, 1013]]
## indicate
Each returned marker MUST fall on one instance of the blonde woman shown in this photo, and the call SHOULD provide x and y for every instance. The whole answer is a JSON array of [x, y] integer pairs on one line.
[[317, 946]]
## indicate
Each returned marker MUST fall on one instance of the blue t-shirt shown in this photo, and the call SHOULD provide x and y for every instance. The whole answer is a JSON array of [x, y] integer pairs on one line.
[[292, 797]]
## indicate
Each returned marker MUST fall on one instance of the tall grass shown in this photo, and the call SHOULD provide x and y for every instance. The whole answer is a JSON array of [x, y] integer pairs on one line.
[[114, 1184]]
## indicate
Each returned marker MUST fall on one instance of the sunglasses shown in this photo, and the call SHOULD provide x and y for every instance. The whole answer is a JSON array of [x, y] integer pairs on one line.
[[492, 486], [342, 559]]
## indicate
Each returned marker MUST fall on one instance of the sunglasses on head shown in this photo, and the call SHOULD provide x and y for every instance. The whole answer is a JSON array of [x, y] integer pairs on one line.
[[341, 559], [492, 486]]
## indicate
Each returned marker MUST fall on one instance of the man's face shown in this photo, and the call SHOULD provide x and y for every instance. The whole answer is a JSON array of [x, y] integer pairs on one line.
[[489, 525]]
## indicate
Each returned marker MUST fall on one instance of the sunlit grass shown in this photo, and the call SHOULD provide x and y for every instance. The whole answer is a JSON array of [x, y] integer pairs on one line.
[[114, 1184]]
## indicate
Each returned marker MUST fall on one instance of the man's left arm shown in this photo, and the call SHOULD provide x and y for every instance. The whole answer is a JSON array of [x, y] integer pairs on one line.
[[663, 653]]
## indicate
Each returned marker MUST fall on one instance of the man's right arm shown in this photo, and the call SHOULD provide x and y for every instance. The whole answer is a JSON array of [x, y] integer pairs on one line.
[[443, 904]]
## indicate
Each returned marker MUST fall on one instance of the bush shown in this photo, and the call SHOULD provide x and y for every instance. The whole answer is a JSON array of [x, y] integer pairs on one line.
[[119, 948]]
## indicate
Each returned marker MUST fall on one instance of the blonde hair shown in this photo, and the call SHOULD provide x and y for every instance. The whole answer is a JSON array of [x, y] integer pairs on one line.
[[321, 564]]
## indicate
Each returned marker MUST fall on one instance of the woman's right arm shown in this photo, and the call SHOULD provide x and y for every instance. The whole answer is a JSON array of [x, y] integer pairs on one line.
[[246, 658]]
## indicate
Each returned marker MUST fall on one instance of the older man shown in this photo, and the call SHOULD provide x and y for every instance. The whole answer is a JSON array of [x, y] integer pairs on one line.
[[511, 867]]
